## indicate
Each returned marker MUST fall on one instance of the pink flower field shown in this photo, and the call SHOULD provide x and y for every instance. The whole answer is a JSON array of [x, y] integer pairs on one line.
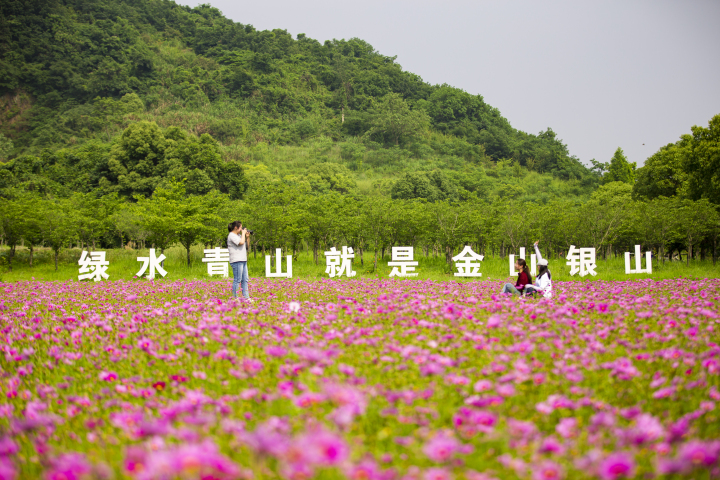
[[368, 380]]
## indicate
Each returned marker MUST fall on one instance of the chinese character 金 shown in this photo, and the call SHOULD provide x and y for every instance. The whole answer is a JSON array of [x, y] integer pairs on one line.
[[468, 263]]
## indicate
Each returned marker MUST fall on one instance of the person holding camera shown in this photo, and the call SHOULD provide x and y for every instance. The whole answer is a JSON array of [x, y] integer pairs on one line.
[[237, 242]]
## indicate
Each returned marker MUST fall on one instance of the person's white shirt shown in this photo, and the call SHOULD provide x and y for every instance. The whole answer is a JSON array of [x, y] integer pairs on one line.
[[237, 247], [543, 283]]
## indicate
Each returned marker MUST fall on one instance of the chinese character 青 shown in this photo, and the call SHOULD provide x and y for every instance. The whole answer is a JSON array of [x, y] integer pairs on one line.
[[278, 266], [468, 263], [218, 261], [155, 264], [581, 260], [93, 266], [402, 257], [338, 262]]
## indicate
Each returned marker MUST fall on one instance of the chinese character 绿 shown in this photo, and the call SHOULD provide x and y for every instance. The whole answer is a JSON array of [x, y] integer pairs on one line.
[[402, 257], [218, 261], [338, 262], [93, 266], [638, 262], [278, 266], [155, 264], [468, 263], [581, 260]]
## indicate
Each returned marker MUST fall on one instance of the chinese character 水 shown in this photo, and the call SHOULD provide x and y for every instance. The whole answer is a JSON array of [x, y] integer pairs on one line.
[[155, 264]]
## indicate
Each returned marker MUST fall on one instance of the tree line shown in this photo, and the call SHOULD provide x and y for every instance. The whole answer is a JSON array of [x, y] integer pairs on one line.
[[291, 218]]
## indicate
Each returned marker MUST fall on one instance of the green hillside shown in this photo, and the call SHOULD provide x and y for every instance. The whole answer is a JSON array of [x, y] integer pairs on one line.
[[223, 98]]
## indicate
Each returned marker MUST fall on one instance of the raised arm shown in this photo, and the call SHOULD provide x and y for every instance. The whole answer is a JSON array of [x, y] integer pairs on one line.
[[537, 252]]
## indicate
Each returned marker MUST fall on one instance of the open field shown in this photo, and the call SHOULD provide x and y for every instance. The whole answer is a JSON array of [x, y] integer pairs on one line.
[[361, 379], [123, 266]]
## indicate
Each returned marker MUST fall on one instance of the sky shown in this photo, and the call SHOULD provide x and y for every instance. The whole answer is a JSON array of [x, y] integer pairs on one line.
[[634, 74]]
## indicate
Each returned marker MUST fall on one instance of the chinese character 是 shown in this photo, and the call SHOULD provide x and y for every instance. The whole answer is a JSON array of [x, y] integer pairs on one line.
[[278, 266], [468, 263], [93, 266], [402, 257], [581, 260], [339, 262], [218, 261], [155, 264], [638, 262]]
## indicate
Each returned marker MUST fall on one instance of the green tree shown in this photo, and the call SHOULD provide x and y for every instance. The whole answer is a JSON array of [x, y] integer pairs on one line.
[[12, 224], [697, 218], [59, 225], [395, 120], [702, 162], [620, 170], [6, 146]]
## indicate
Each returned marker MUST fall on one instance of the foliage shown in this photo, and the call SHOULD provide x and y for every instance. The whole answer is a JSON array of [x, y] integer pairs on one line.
[[77, 72]]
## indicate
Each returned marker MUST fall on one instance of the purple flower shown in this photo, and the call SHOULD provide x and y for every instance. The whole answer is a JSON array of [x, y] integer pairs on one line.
[[699, 453], [441, 447], [616, 465], [7, 469], [68, 466], [547, 470], [323, 447], [437, 474]]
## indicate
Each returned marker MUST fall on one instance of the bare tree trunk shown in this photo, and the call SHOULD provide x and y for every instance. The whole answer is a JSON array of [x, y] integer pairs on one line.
[[56, 259]]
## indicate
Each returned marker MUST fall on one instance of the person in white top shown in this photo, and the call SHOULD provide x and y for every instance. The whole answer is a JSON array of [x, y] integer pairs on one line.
[[543, 281], [237, 242]]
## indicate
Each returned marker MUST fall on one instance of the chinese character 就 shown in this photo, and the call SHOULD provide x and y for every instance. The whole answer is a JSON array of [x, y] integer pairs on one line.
[[155, 264], [93, 266], [402, 257], [217, 260], [338, 262], [581, 260], [638, 262], [468, 263], [278, 266]]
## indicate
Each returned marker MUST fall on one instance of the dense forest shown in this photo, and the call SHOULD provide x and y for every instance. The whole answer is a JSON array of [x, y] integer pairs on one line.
[[106, 106]]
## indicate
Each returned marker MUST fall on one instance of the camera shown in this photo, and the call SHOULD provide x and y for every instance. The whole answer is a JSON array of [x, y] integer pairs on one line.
[[251, 232]]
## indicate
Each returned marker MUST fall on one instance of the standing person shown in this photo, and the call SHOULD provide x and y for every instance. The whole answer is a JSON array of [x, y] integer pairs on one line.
[[237, 245], [543, 281], [523, 279]]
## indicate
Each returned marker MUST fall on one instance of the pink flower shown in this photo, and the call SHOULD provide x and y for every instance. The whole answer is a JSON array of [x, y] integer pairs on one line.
[[548, 470], [616, 465], [437, 474], [699, 453], [323, 447], [68, 466], [441, 447]]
